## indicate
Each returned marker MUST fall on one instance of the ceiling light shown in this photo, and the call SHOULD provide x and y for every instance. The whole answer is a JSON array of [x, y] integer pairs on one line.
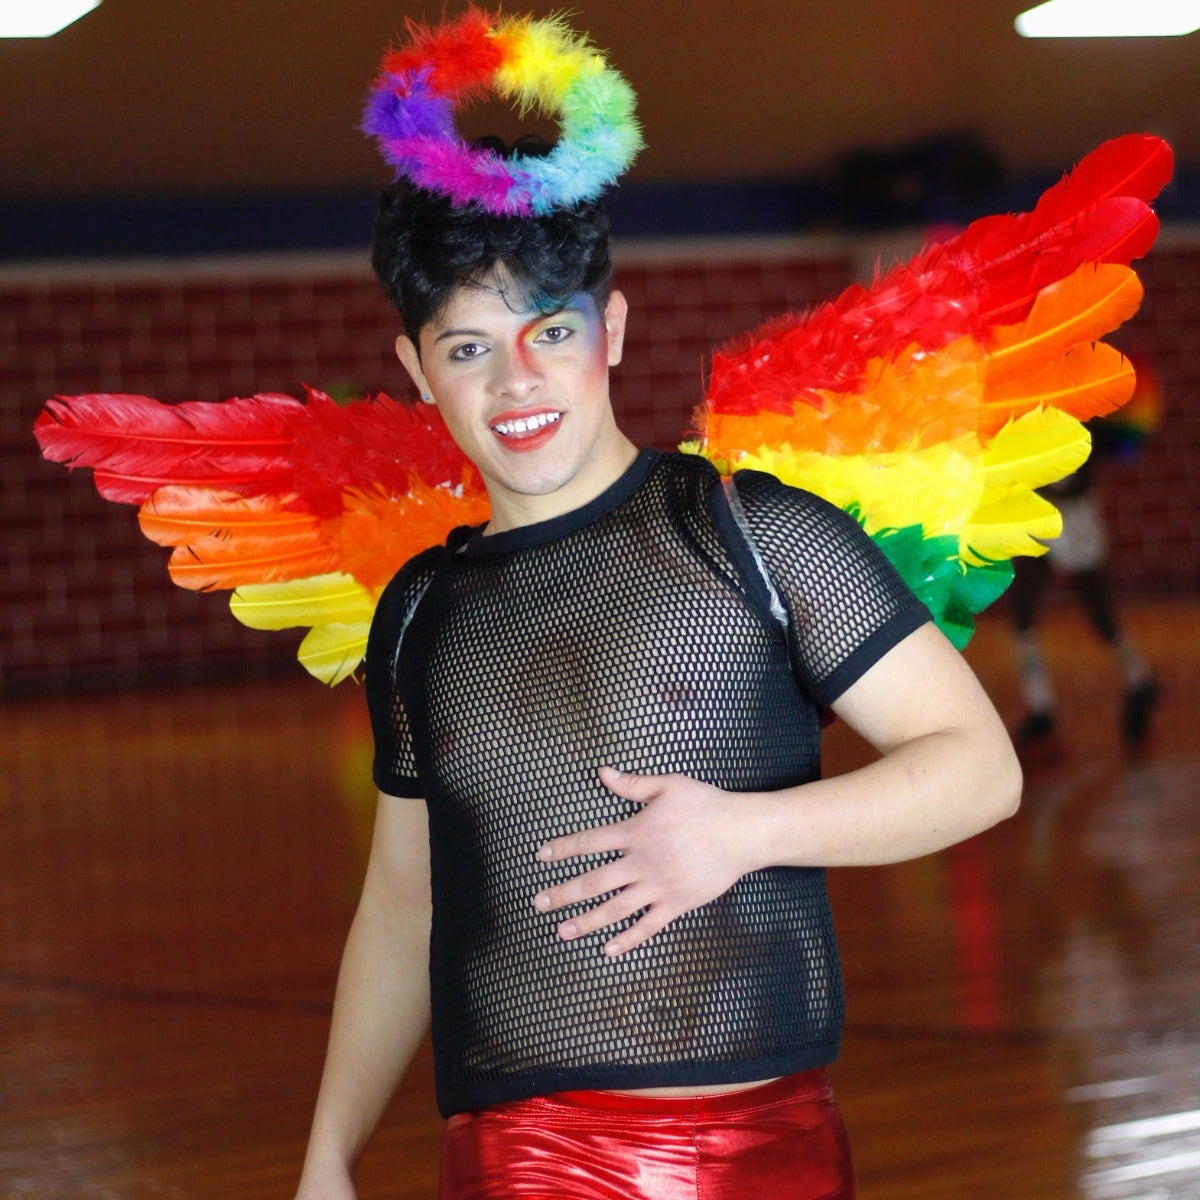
[[1110, 18], [41, 18]]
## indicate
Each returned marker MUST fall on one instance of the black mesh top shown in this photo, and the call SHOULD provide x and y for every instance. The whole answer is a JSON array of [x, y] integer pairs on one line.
[[503, 670]]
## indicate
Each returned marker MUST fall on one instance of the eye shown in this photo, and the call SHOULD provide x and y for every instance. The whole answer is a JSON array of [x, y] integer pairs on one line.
[[467, 351], [554, 334]]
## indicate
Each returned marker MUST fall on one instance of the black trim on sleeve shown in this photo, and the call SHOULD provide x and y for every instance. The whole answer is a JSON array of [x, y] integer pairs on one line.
[[876, 647]]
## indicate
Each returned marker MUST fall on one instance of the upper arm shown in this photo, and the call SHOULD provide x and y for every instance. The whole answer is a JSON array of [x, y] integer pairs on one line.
[[847, 606], [398, 870], [394, 768], [922, 685]]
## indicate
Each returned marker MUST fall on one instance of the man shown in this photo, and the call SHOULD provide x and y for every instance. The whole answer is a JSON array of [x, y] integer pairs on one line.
[[1081, 554], [610, 700]]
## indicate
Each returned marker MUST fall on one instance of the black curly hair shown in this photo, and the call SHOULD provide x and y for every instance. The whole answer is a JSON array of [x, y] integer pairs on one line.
[[423, 247]]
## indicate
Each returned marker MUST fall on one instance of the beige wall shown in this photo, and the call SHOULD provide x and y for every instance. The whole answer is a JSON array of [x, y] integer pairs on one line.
[[143, 96]]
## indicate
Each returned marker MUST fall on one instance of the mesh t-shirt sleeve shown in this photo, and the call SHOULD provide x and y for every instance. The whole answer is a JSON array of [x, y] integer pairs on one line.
[[847, 606], [394, 768]]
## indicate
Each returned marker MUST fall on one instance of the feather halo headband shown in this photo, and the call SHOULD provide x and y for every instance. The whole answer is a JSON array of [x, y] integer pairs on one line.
[[536, 64]]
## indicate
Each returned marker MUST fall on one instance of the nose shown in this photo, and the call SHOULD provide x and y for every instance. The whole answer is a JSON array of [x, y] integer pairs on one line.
[[518, 374]]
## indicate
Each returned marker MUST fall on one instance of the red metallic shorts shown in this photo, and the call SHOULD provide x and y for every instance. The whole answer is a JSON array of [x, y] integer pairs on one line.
[[783, 1141]]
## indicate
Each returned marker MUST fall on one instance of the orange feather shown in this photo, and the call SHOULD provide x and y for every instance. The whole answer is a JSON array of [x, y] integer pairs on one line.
[[378, 534], [1091, 302], [223, 540], [1090, 380]]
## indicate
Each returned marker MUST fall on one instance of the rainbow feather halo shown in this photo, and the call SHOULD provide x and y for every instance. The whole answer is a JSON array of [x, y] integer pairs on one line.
[[535, 64]]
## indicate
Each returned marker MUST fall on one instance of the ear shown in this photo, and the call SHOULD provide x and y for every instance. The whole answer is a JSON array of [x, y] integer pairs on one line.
[[615, 311], [407, 353]]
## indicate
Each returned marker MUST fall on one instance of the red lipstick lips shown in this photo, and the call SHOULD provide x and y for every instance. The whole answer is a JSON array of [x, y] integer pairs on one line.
[[527, 428]]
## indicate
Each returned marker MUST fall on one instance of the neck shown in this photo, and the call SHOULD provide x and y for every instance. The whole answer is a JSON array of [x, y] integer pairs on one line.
[[511, 510]]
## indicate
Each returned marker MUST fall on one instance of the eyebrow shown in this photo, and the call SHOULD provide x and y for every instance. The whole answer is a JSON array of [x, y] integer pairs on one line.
[[453, 333], [479, 333]]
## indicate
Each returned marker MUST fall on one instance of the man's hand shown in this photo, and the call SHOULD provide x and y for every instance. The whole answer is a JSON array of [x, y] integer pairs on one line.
[[685, 847]]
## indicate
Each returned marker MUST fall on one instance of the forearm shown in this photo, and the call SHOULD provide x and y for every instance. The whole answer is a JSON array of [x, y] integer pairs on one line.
[[380, 1014], [381, 1008], [921, 797], [947, 772]]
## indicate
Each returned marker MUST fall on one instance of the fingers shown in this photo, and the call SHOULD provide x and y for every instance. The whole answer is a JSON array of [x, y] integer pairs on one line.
[[614, 910], [655, 921], [629, 896], [640, 789], [580, 888], [601, 840]]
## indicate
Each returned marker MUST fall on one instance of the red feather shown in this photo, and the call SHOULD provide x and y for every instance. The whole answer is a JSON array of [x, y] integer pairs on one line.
[[1136, 164], [1097, 213], [261, 445], [375, 445], [989, 275], [1131, 170], [256, 490], [456, 58], [1114, 230], [138, 445]]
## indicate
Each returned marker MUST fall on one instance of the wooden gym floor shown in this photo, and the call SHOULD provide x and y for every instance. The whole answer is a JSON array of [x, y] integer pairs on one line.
[[178, 870]]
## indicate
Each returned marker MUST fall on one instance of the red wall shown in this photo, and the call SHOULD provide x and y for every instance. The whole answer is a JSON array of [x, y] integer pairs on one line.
[[84, 599]]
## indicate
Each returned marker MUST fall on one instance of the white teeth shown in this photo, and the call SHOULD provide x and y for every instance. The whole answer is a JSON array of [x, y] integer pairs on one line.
[[526, 424]]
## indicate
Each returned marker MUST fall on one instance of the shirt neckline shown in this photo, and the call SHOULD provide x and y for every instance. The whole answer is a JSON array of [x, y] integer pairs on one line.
[[480, 545]]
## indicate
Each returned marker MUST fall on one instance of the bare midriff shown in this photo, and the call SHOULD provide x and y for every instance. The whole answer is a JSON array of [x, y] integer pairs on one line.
[[693, 1090]]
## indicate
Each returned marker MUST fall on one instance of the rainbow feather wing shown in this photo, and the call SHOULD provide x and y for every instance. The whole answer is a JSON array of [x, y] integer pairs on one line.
[[931, 404], [303, 510], [935, 402]]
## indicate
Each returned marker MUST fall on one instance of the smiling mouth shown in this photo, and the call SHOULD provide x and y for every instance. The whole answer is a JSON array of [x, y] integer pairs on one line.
[[528, 426]]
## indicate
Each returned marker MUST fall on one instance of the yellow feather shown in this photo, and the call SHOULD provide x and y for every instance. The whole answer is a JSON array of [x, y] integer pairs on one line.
[[938, 487], [317, 600], [1036, 449], [982, 497], [1014, 521], [545, 61], [333, 652]]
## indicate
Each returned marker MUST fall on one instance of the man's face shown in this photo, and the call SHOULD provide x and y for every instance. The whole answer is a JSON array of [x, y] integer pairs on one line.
[[525, 395]]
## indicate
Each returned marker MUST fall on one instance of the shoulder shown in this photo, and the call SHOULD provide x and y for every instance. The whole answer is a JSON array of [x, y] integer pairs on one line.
[[760, 490], [763, 504], [687, 477], [686, 469], [393, 614], [803, 535], [776, 509], [408, 585]]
